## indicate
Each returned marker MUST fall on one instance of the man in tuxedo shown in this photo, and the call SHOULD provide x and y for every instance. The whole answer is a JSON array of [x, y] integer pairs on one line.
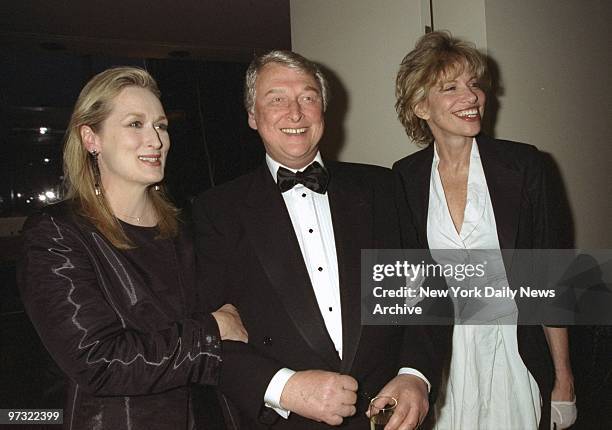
[[283, 244]]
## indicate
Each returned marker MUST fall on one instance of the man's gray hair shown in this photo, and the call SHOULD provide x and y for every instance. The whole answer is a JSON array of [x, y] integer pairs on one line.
[[288, 59]]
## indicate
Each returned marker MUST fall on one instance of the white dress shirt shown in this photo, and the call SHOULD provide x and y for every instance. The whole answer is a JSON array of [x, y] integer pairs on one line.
[[311, 219]]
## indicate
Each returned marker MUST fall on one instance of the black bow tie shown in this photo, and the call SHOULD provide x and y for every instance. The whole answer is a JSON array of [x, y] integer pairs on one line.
[[314, 177]]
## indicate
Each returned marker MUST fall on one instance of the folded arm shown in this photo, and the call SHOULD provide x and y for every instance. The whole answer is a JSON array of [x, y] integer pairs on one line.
[[90, 338]]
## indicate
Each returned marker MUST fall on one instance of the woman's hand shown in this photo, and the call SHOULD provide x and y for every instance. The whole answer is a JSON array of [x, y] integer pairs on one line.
[[563, 402], [558, 344], [230, 324], [563, 411]]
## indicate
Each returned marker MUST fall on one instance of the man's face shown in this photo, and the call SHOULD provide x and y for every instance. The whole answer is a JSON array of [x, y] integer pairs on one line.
[[288, 114]]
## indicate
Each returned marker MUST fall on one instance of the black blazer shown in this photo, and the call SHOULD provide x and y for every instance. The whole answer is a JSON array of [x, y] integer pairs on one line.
[[250, 256], [518, 183]]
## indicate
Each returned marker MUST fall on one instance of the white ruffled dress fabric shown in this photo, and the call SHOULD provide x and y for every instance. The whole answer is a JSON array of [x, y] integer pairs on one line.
[[489, 387]]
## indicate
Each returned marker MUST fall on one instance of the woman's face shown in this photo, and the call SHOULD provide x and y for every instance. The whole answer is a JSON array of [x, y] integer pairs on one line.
[[454, 107], [133, 141]]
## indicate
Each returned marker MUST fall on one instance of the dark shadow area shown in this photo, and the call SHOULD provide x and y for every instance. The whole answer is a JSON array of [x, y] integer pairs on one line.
[[338, 104], [29, 378], [492, 104], [591, 360], [211, 140], [563, 228], [591, 344]]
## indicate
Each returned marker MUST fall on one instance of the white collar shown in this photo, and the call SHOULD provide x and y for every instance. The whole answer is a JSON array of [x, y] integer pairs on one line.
[[474, 154]]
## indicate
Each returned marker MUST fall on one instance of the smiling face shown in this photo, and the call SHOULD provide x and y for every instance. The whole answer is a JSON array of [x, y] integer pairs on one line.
[[454, 108], [132, 142], [288, 114]]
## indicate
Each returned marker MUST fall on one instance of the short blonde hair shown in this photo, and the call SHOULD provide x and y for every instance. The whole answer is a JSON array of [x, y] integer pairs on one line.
[[436, 56], [93, 106], [288, 59]]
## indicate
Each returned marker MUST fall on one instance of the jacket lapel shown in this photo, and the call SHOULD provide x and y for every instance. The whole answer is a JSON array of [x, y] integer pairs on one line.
[[418, 186], [352, 220], [271, 234], [505, 188]]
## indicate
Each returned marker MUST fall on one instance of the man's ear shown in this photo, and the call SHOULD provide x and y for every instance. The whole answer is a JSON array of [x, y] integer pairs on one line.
[[252, 121], [89, 138], [420, 110]]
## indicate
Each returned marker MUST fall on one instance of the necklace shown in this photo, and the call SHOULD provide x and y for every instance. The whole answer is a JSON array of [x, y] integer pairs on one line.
[[136, 218], [144, 212]]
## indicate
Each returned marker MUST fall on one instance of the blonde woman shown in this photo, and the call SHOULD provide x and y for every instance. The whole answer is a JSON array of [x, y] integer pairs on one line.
[[468, 191], [108, 276]]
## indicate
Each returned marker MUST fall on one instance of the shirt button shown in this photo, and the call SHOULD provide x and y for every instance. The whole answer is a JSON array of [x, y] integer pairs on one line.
[[303, 194], [267, 340], [330, 309], [310, 230], [320, 269]]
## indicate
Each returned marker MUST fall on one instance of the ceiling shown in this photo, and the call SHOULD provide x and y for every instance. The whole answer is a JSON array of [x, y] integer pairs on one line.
[[204, 29]]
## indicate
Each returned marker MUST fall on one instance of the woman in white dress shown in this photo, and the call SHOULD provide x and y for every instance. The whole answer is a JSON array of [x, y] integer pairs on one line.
[[466, 191]]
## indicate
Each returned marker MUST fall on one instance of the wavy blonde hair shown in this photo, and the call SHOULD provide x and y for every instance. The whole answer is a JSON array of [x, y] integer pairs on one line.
[[436, 56], [93, 106]]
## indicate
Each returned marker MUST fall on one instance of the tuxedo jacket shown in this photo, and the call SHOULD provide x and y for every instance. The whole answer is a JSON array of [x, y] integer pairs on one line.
[[517, 181], [249, 256]]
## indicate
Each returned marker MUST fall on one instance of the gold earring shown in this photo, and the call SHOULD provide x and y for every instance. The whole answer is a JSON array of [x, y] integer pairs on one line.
[[96, 172]]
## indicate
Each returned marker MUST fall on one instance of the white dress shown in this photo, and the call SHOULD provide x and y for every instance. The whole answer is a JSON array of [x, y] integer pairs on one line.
[[489, 387]]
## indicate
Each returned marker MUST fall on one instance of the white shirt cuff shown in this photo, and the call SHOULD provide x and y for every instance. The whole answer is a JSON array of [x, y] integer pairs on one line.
[[275, 388], [411, 371]]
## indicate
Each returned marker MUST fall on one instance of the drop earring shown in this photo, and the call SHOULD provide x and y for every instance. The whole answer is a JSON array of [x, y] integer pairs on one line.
[[96, 172]]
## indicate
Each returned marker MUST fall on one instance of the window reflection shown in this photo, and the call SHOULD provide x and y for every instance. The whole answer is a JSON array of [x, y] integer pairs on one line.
[[211, 141]]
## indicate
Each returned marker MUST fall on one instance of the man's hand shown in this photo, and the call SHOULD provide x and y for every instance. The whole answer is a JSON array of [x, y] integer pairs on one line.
[[321, 396], [412, 401]]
